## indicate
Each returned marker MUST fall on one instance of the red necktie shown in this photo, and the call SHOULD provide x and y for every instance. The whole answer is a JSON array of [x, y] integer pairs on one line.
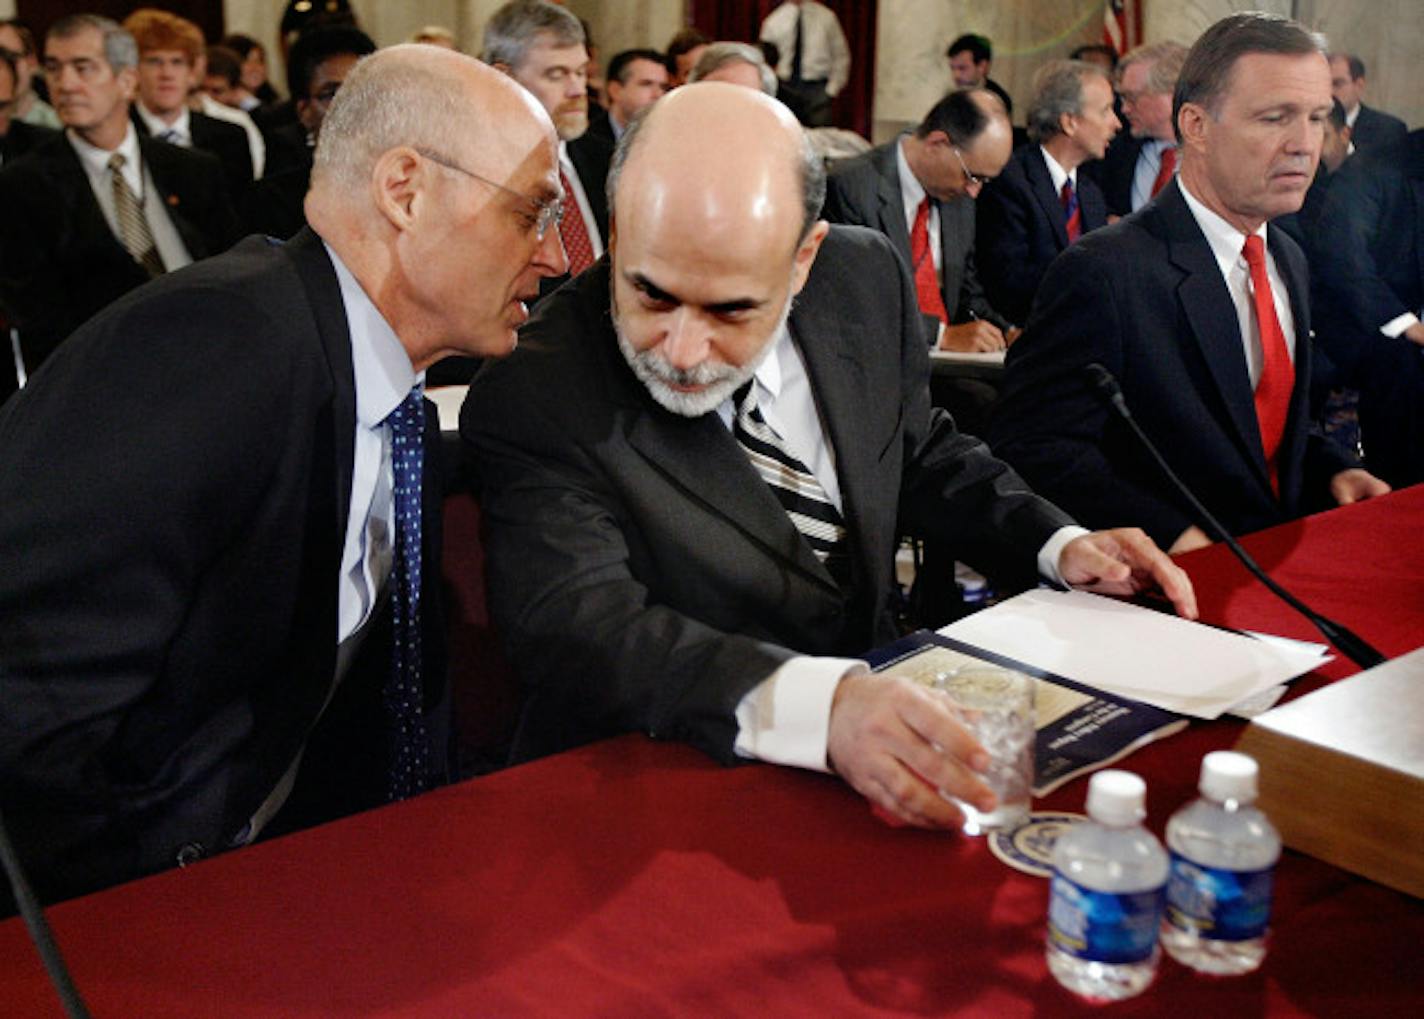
[[1165, 171], [926, 281], [1072, 215], [1273, 390], [574, 231]]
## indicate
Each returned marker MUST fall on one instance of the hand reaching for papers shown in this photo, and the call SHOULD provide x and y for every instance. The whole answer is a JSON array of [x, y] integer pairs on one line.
[[897, 744], [1125, 561]]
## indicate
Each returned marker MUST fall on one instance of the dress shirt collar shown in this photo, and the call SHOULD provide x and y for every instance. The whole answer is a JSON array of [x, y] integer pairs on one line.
[[1056, 172], [157, 126], [1352, 115], [767, 377], [382, 368], [1226, 241], [96, 160], [911, 190]]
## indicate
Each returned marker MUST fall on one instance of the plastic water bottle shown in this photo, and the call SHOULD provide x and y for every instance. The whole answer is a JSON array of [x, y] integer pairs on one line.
[[1105, 905], [1223, 853]]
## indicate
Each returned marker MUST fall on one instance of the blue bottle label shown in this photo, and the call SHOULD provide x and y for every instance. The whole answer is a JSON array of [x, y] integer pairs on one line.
[[1224, 905], [1112, 927]]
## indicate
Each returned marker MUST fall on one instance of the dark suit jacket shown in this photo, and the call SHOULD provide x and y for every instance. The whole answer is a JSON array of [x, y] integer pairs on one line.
[[170, 540], [1113, 173], [227, 142], [865, 191], [590, 155], [1375, 129], [276, 204], [21, 138], [1021, 229], [643, 575], [59, 260], [1146, 299]]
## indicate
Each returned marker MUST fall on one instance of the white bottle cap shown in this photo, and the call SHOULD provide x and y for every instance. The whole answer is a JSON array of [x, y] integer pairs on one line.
[[1226, 775], [1115, 798]]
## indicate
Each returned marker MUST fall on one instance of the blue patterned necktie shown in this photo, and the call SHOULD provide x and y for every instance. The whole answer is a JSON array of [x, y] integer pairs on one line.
[[410, 744]]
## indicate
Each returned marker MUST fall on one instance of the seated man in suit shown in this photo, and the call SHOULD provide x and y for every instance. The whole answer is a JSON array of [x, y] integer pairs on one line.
[[1370, 129], [636, 79], [1200, 309], [170, 49], [91, 214], [219, 502], [1142, 161], [1040, 204], [16, 136], [692, 486], [919, 191], [1369, 282]]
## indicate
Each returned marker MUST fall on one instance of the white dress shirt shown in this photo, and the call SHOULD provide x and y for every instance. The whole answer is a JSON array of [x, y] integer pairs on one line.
[[785, 719], [824, 52], [1057, 174], [95, 161], [181, 128], [1149, 161], [581, 197]]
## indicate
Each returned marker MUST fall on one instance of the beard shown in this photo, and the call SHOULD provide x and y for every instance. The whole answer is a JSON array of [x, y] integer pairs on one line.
[[717, 382], [571, 120]]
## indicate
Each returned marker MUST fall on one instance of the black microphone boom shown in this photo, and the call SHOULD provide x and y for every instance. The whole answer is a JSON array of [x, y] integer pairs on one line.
[[1353, 646]]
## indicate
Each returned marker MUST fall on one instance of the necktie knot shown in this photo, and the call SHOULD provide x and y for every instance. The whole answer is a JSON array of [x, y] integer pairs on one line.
[[1254, 251], [117, 161]]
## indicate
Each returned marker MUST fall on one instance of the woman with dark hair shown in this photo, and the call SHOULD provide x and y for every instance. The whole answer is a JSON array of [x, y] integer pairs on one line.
[[254, 67]]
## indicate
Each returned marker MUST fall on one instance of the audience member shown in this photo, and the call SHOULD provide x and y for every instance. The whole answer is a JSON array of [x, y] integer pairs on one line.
[[88, 216], [1334, 150], [541, 46], [17, 40], [736, 63], [258, 90], [436, 35], [683, 51], [1369, 281], [222, 78], [200, 99], [1201, 311], [318, 63], [1040, 204], [16, 136], [1370, 129], [214, 625], [1097, 53], [814, 57], [643, 570], [636, 79], [970, 57], [169, 48], [919, 191], [1142, 161]]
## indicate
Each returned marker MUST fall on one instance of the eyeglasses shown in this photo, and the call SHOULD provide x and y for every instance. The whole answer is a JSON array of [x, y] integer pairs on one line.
[[547, 212], [974, 178]]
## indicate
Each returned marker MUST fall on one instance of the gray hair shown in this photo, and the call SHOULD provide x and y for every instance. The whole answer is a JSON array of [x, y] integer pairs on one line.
[[720, 54], [516, 26], [120, 49], [1208, 66], [1166, 59], [1058, 89], [811, 170], [387, 102]]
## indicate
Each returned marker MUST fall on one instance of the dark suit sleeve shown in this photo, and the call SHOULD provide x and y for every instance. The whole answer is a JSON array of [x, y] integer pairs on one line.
[[1051, 426], [971, 291], [1008, 270]]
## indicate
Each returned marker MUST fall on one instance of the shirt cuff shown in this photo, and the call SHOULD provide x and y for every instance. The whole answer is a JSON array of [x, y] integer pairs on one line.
[[786, 718], [1395, 327], [1052, 551]]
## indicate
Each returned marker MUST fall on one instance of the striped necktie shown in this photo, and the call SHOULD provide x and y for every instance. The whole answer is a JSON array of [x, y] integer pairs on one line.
[[791, 481], [134, 232], [1072, 214]]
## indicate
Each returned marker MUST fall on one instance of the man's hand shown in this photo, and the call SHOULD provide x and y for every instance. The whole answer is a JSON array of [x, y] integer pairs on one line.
[[1189, 540], [899, 746], [1415, 333], [971, 337], [1126, 561], [1355, 485], [1013, 334]]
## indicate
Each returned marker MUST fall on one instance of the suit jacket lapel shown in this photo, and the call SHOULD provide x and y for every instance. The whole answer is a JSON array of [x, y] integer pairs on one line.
[[1208, 308], [73, 182], [892, 204], [1041, 181]]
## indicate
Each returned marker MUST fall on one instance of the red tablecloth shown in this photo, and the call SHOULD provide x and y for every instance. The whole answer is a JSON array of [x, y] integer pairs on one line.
[[635, 878]]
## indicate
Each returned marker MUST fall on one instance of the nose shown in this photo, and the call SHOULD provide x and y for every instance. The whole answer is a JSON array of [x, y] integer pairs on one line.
[[972, 187], [549, 256], [685, 345], [576, 85]]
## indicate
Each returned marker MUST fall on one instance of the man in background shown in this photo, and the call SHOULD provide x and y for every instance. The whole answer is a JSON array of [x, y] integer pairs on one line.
[[17, 40], [16, 136], [1143, 160], [683, 51], [636, 79], [970, 58], [1370, 129], [815, 58]]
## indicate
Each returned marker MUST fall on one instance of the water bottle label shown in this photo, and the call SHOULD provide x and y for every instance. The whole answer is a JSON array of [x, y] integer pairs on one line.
[[1224, 905], [1112, 927]]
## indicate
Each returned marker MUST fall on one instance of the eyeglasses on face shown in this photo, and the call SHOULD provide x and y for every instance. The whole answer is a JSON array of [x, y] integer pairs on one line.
[[547, 212], [974, 178]]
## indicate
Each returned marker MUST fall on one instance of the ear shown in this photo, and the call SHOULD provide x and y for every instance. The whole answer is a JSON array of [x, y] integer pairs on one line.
[[1068, 124], [1192, 123], [398, 185], [937, 138], [128, 82], [805, 255]]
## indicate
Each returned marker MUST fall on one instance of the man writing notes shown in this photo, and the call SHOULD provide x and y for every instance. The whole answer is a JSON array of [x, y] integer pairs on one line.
[[1200, 309], [219, 505], [693, 488]]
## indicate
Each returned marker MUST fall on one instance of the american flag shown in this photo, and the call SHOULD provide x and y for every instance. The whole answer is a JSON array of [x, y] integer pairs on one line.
[[1122, 24]]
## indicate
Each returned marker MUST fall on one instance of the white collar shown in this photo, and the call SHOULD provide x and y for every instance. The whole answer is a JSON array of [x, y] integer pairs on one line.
[[381, 367], [96, 160], [157, 126], [911, 189], [1057, 173], [1226, 241]]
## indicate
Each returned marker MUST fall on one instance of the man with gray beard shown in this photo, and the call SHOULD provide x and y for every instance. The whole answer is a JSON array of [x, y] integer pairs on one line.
[[694, 537]]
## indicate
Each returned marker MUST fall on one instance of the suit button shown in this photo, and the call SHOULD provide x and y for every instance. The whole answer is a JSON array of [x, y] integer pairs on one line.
[[189, 852]]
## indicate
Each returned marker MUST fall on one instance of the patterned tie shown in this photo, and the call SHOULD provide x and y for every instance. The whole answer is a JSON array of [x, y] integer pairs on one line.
[[926, 279], [1273, 389], [1072, 215], [574, 231], [137, 238], [1166, 170], [171, 136], [791, 481], [410, 754]]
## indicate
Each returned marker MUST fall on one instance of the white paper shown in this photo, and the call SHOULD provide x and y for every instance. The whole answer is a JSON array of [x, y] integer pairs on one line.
[[967, 356], [1135, 652]]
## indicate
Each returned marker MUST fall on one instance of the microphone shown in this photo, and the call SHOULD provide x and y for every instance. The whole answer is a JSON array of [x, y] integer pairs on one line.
[[1354, 647]]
